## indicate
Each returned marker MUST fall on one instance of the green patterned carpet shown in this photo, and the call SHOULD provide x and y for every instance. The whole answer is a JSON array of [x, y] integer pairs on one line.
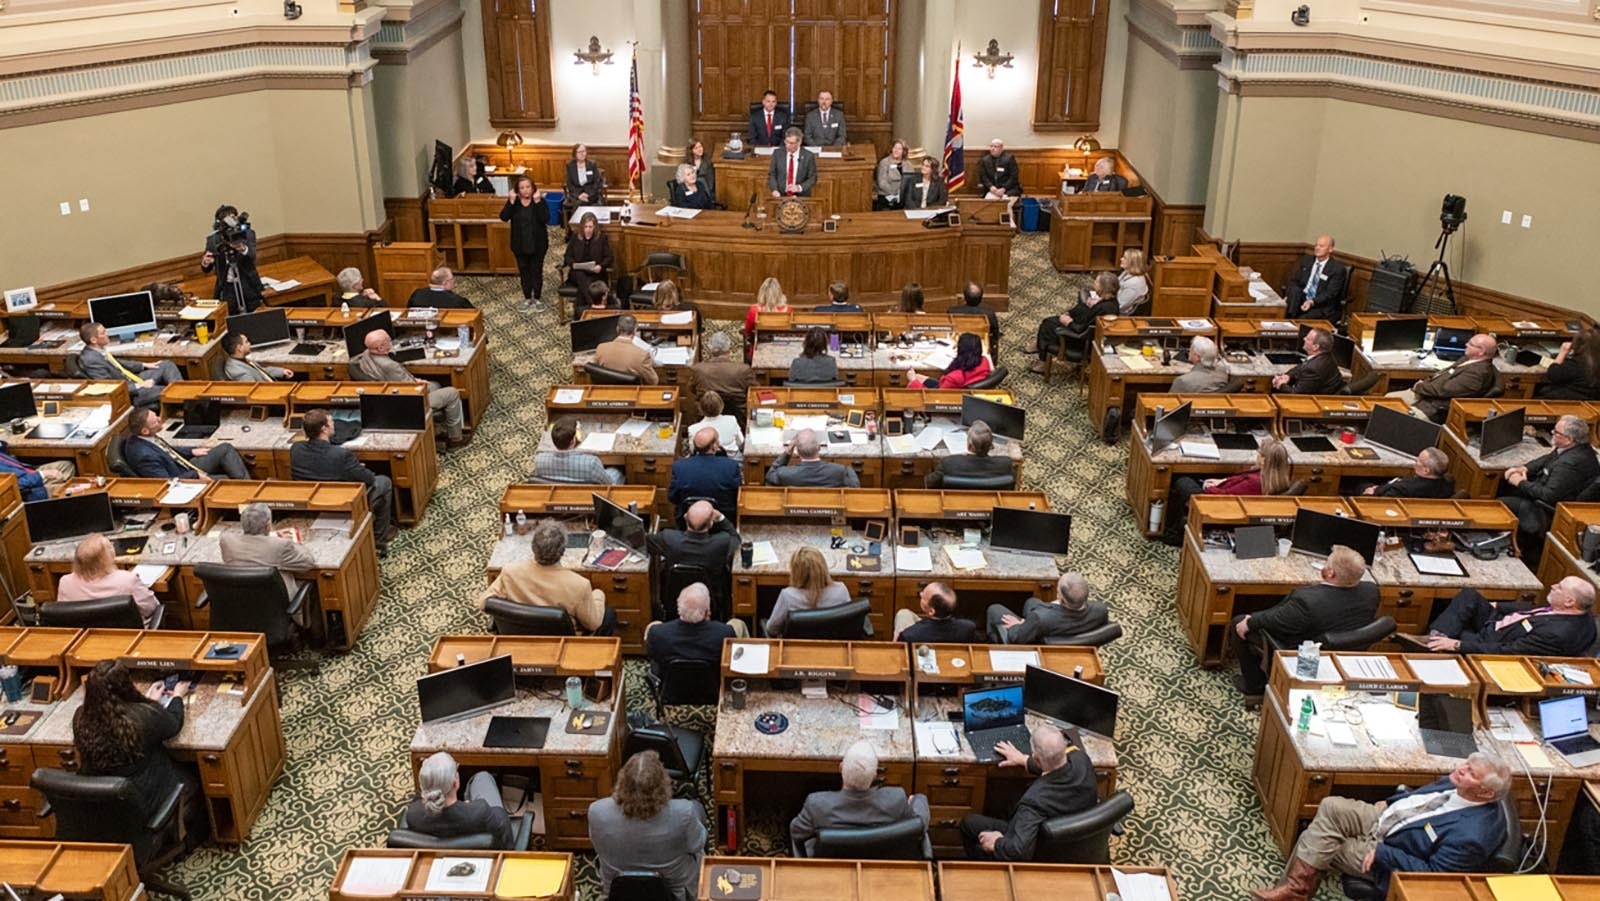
[[1187, 743]]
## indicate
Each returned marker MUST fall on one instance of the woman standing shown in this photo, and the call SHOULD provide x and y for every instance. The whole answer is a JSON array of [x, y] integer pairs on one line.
[[811, 587], [525, 209], [704, 172], [588, 256]]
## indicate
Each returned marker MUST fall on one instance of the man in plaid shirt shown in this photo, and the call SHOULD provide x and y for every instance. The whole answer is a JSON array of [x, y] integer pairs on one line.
[[568, 464]]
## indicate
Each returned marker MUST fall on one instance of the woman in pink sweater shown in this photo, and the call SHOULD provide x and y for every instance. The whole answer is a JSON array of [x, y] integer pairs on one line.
[[95, 575]]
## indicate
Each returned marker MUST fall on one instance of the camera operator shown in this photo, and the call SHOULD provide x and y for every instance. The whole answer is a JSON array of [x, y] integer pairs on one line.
[[231, 251]]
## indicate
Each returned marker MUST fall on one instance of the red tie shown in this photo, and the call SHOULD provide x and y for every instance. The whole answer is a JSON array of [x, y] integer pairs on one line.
[[791, 174], [769, 126]]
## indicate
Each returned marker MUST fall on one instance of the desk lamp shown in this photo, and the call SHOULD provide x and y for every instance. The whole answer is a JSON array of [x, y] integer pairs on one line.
[[510, 140]]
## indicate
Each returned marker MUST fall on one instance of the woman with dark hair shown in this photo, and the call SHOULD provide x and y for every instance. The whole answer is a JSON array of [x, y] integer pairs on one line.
[[1575, 374], [704, 172], [525, 209], [642, 827], [814, 364], [970, 365], [911, 299], [120, 732], [588, 256], [585, 184]]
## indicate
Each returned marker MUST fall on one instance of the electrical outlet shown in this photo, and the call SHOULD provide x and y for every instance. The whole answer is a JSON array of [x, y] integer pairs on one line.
[[83, 204], [66, 208], [1505, 217], [1527, 222]]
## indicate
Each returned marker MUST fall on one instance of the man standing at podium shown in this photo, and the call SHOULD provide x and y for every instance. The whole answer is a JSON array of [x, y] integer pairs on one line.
[[793, 172], [768, 124], [825, 125]]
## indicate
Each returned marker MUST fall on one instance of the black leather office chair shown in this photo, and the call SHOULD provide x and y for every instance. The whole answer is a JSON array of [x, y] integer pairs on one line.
[[755, 107], [835, 383], [672, 580], [811, 105], [1361, 384], [511, 618], [905, 840], [846, 622], [1506, 858], [119, 612], [1095, 638], [1297, 488], [659, 266], [74, 366], [114, 459], [110, 809], [1083, 837], [402, 836], [1234, 386], [250, 598], [682, 750], [1351, 640], [1072, 351], [600, 375], [639, 885], [1004, 482], [687, 682], [994, 379]]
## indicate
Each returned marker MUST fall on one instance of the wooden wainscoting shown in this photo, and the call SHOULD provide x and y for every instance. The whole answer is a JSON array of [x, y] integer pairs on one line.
[[547, 163], [407, 217], [1174, 228]]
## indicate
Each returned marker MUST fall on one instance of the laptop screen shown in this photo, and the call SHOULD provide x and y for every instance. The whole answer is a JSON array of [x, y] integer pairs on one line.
[[992, 708], [1561, 717]]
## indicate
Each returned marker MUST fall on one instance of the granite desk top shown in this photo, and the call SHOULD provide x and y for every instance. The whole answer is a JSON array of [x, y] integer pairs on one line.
[[788, 538], [780, 354], [1386, 459], [519, 548], [1423, 366], [1559, 767], [179, 350], [1573, 563], [1401, 756], [759, 441], [1520, 454], [1286, 569], [935, 708], [585, 357], [209, 718], [333, 353], [328, 544], [62, 550], [70, 415], [466, 735], [31, 734], [999, 564], [1008, 447], [649, 444], [1394, 567], [239, 430], [1172, 455], [1118, 364], [895, 358], [819, 729]]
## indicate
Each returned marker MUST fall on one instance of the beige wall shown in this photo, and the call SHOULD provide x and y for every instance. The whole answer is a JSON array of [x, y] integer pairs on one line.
[[418, 103], [1167, 118]]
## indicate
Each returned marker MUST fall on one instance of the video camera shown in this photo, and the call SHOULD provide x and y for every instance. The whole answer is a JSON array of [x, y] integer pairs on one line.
[[231, 232]]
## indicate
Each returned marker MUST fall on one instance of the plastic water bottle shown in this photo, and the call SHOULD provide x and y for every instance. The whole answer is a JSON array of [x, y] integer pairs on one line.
[[575, 692], [509, 528], [344, 309], [522, 522], [1307, 660], [1306, 709]]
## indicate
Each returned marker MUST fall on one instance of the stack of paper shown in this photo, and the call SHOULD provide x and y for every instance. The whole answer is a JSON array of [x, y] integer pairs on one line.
[[937, 739], [1141, 886], [965, 558], [675, 355], [913, 559], [750, 659], [763, 554], [1524, 888], [531, 878], [677, 317], [633, 428], [599, 442], [1437, 672], [1012, 661], [1366, 666], [1511, 675], [377, 877], [956, 442], [568, 395], [899, 444]]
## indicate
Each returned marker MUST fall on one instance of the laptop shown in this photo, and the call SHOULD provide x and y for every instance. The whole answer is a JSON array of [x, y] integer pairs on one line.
[[516, 732], [201, 417], [22, 330], [1564, 723], [1446, 725], [1284, 358], [1235, 440], [52, 429], [1451, 343], [307, 349], [993, 715]]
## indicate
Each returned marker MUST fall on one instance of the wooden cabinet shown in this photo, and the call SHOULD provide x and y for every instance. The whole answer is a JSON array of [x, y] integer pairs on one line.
[[403, 267], [1091, 231]]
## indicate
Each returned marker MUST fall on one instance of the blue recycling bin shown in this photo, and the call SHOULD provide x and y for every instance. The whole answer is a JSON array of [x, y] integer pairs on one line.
[[1030, 214], [553, 200]]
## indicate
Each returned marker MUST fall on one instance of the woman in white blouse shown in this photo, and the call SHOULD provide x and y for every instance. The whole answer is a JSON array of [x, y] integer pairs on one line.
[[711, 416], [1133, 285]]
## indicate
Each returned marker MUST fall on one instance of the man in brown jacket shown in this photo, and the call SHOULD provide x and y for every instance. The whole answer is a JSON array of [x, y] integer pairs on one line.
[[1471, 376], [722, 374], [542, 582], [623, 355]]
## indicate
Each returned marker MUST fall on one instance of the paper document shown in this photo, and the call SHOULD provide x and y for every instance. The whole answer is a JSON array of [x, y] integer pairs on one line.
[[1192, 324], [830, 155], [357, 441], [815, 422], [1508, 725], [569, 395], [1524, 888], [599, 442], [764, 151], [1388, 724], [536, 878], [682, 317], [956, 442], [378, 877], [874, 715], [1340, 734], [98, 389], [1204, 450], [149, 573], [194, 313], [913, 559], [762, 553], [286, 286], [1573, 674], [1437, 672], [333, 522], [901, 444], [764, 436], [675, 355], [1533, 753], [924, 214], [859, 436], [1141, 886], [182, 493], [633, 428], [1366, 666], [937, 739], [1012, 661], [931, 435], [1511, 675], [1325, 670], [938, 358], [677, 212], [448, 345], [965, 558], [750, 659], [439, 878]]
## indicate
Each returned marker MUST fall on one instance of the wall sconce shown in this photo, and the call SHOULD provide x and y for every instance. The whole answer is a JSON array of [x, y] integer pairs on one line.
[[594, 56], [1086, 144], [992, 57], [510, 140]]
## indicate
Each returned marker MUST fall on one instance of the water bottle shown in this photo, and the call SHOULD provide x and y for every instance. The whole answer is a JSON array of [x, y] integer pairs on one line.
[[1306, 709], [522, 522], [1383, 541], [509, 528], [1158, 510], [462, 335], [461, 660], [575, 692], [344, 309]]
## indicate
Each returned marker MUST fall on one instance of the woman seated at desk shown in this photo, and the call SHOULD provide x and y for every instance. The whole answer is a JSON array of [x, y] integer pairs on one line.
[[120, 732], [814, 364], [892, 172], [968, 368], [440, 809], [642, 827], [669, 299], [1575, 372], [95, 576], [1133, 285], [911, 299], [688, 192], [811, 587], [705, 173], [588, 258], [1102, 301], [1271, 476], [769, 299], [711, 416]]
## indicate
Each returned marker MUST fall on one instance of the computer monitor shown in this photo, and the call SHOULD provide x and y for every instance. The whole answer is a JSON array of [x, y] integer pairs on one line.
[[402, 412], [16, 401], [618, 523], [1501, 432], [1401, 432], [69, 516], [1072, 701], [587, 334], [355, 334], [1169, 427], [124, 315], [467, 690], [1344, 351], [1030, 531], [1316, 533], [1399, 334], [264, 328], [1451, 343], [1004, 420], [441, 174]]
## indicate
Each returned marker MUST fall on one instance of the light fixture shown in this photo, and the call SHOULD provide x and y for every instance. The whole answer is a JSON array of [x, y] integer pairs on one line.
[[510, 140], [594, 56], [1086, 144], [291, 10], [992, 57]]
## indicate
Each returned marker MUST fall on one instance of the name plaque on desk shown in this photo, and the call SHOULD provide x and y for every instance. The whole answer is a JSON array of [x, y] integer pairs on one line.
[[1346, 414], [609, 403], [941, 407], [930, 327], [1272, 520], [1159, 332], [569, 508], [1223, 412], [996, 678], [812, 511], [1436, 522], [813, 672], [532, 669], [47, 313], [972, 514], [1538, 418], [153, 663], [279, 505], [226, 398], [810, 404], [128, 502], [1382, 685], [1540, 333], [1568, 689]]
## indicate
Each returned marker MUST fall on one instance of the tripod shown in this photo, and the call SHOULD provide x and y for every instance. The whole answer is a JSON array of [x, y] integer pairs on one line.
[[1430, 303]]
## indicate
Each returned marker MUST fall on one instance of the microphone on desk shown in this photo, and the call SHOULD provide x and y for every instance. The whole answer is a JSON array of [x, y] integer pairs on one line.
[[750, 210]]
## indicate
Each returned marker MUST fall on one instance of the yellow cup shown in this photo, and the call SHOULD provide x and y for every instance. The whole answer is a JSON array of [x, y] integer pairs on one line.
[[202, 333], [777, 418], [1149, 350], [664, 432]]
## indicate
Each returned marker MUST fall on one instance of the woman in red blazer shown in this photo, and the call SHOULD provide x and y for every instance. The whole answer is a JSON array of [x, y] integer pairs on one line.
[[1271, 476], [969, 366]]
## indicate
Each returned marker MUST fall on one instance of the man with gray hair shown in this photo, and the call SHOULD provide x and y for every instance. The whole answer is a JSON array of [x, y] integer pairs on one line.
[[721, 373], [1451, 825], [1208, 376], [1338, 603], [1428, 479], [694, 635], [1532, 491], [439, 293], [858, 805], [544, 582], [1070, 613], [1065, 785], [812, 471], [255, 544], [1471, 376], [375, 364], [354, 291], [977, 462], [1472, 624]]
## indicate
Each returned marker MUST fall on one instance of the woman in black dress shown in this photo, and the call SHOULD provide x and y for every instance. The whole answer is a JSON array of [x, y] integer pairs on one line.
[[525, 209], [1575, 373], [588, 244]]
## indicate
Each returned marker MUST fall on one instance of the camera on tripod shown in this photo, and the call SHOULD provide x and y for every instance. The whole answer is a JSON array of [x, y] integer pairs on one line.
[[1453, 212], [230, 232]]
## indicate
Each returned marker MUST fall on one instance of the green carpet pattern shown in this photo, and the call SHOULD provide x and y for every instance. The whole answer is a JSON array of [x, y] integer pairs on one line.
[[1186, 742]]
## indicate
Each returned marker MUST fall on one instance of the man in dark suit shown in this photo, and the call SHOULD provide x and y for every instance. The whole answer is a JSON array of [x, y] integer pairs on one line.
[[694, 635], [1451, 825], [1104, 180], [1564, 627], [708, 473], [858, 806], [1471, 376], [811, 471], [972, 305], [151, 457], [1532, 491], [793, 172], [1319, 374], [838, 300], [1339, 603], [938, 623], [768, 124], [1065, 785], [440, 294], [825, 125], [1070, 613], [1428, 479], [1318, 286], [317, 460], [709, 541], [997, 173], [975, 463]]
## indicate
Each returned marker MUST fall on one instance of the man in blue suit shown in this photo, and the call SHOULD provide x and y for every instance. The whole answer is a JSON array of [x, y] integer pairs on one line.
[[151, 457], [707, 474], [1451, 825]]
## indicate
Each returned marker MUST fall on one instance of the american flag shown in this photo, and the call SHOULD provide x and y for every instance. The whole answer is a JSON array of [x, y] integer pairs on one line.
[[955, 167], [635, 126]]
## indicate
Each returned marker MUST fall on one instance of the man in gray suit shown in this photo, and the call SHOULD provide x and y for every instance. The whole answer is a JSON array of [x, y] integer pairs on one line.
[[236, 365], [812, 471], [858, 806], [257, 545], [145, 380], [825, 125], [1208, 376], [375, 365], [794, 169], [1070, 613]]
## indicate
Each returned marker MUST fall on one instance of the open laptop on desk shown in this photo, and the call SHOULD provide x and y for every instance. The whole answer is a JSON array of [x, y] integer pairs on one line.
[[466, 690], [1564, 723], [1402, 433], [201, 418], [992, 715], [1445, 722]]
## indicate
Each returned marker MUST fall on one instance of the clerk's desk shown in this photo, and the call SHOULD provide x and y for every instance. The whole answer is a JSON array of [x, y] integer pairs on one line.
[[844, 178], [600, 409], [1563, 544], [1214, 586], [1118, 370], [420, 863], [1206, 283], [233, 735], [1008, 577], [1463, 428], [627, 586], [316, 284], [875, 349], [574, 769], [79, 401], [101, 872], [173, 339], [663, 329], [1338, 472], [1398, 369], [1150, 475], [792, 518], [822, 410], [1245, 343], [1475, 887], [986, 881], [905, 465]]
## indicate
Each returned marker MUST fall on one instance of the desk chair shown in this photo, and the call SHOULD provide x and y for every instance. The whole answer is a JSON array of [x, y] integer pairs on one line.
[[1351, 640], [684, 681], [658, 266], [995, 377], [846, 622], [1083, 837], [672, 580], [1005, 482], [905, 840], [564, 292], [117, 612], [114, 459], [833, 383], [74, 366], [1297, 488], [109, 809], [600, 375], [402, 836], [1506, 858], [1234, 386], [1361, 385], [1072, 350], [639, 885], [682, 750], [250, 598], [511, 618], [810, 105], [1093, 638]]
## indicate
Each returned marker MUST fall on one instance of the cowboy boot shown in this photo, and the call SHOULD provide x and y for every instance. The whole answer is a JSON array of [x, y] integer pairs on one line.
[[1299, 885]]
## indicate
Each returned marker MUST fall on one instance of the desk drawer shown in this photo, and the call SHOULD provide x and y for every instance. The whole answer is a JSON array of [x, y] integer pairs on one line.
[[567, 822], [727, 781], [1409, 607], [16, 764], [61, 757], [572, 779], [944, 825], [19, 812], [214, 772], [952, 785]]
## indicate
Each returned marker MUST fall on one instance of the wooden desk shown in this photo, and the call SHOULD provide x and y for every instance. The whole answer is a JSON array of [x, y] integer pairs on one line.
[[1471, 887], [1336, 472], [922, 343], [1563, 544], [985, 881], [79, 402], [844, 183], [807, 754], [469, 234], [575, 770], [914, 409], [81, 869], [645, 458], [14, 543], [792, 518], [1009, 577], [1239, 291], [652, 328], [627, 587], [194, 358], [798, 408], [1092, 230], [1118, 371], [1397, 371], [779, 336], [420, 863], [1463, 427], [1149, 476], [317, 285], [1244, 344], [836, 880], [1206, 283]]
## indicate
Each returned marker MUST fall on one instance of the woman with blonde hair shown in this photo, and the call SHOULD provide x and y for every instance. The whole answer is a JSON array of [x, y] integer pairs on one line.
[[441, 810], [95, 576], [1133, 284], [811, 587], [668, 297], [769, 299], [1270, 476], [642, 827]]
